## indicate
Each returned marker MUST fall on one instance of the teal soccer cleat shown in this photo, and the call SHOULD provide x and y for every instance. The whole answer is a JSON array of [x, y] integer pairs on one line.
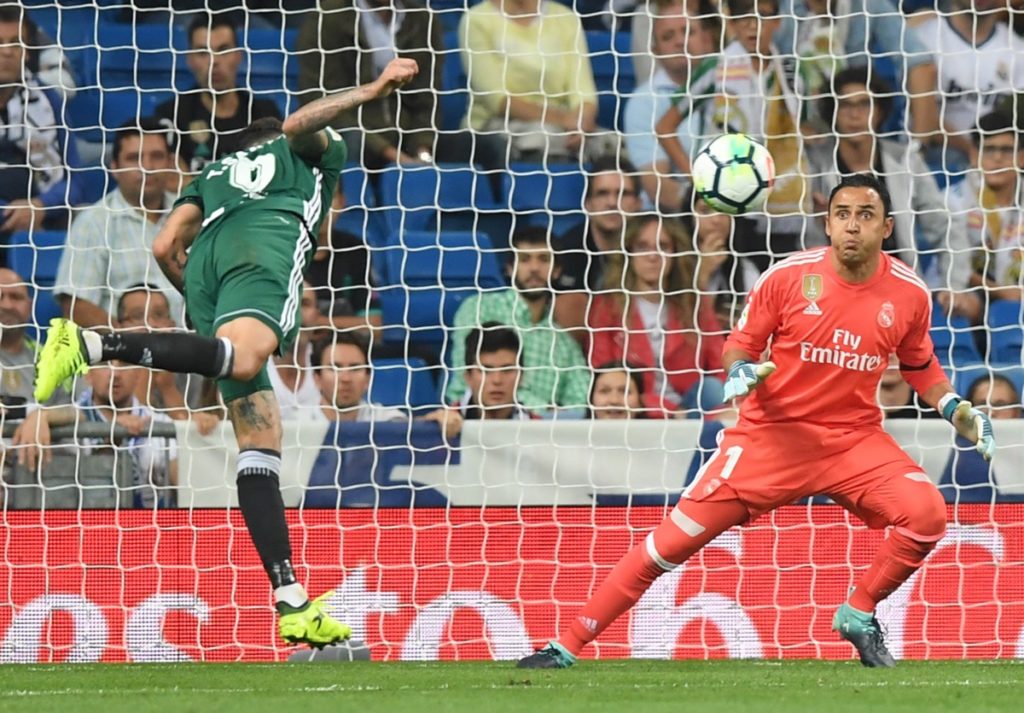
[[865, 633], [551, 656]]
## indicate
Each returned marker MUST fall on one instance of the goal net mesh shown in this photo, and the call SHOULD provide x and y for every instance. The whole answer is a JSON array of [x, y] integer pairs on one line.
[[460, 493]]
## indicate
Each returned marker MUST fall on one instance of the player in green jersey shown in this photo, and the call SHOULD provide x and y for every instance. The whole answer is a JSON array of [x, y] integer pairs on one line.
[[237, 245]]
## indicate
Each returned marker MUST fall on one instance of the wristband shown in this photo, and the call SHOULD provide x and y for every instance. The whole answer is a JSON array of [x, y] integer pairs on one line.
[[947, 405]]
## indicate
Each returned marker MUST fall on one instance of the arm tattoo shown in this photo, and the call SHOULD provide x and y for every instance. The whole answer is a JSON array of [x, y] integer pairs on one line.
[[324, 112]]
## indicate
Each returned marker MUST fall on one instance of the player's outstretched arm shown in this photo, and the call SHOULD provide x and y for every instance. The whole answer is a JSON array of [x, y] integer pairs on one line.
[[170, 247], [745, 374], [304, 128], [969, 422]]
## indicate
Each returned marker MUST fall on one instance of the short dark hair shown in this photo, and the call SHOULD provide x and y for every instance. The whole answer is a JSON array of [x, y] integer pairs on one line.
[[878, 88], [204, 21], [260, 130], [13, 12], [995, 379], [612, 164], [488, 338], [530, 235], [139, 127], [138, 287], [632, 371], [738, 8], [865, 180], [996, 122], [353, 337]]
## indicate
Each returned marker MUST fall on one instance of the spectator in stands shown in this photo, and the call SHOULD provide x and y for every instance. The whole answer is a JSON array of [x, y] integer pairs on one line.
[[979, 63], [110, 244], [555, 373], [650, 316], [531, 84], [682, 42], [828, 36], [180, 396], [110, 398], [494, 370], [347, 44], [17, 350], [997, 396], [340, 276], [44, 57], [725, 270], [898, 400], [646, 12], [291, 374], [755, 95], [207, 121], [37, 156], [617, 392], [343, 372], [857, 107], [993, 199], [613, 192]]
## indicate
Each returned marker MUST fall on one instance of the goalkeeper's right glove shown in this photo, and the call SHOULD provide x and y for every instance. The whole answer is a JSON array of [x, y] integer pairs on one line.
[[745, 376]]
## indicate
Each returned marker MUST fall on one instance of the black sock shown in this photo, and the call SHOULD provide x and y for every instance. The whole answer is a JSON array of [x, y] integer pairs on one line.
[[180, 352], [259, 498]]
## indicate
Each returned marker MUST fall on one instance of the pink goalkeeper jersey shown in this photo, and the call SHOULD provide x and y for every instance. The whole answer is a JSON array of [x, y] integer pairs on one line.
[[831, 340]]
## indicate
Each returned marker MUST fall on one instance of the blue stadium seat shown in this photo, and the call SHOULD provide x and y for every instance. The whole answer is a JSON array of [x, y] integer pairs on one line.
[[36, 256], [94, 112], [424, 259], [416, 196], [449, 12], [953, 339], [426, 277], [144, 56], [614, 77], [545, 195], [403, 382], [360, 216], [1006, 332], [454, 85]]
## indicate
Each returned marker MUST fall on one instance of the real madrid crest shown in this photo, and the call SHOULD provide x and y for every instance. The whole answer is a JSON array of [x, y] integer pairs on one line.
[[886, 315]]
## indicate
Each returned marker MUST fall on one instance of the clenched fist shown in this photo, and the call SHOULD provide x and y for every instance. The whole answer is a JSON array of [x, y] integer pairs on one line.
[[397, 74]]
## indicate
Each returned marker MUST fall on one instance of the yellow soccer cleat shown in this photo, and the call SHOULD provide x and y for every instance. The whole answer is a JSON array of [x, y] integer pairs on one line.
[[63, 356], [312, 624]]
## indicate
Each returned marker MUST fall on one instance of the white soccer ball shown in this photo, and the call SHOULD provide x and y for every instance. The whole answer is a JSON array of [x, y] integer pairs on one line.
[[733, 174]]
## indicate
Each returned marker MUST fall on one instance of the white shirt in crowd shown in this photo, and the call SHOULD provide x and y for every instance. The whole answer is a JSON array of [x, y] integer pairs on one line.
[[972, 79], [303, 404]]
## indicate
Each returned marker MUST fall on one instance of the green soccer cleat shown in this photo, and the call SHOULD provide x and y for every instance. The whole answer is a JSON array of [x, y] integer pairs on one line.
[[553, 655], [63, 356], [311, 624], [865, 633]]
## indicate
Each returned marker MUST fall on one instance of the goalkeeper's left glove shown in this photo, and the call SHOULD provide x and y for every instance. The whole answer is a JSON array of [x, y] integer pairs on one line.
[[745, 376], [970, 423]]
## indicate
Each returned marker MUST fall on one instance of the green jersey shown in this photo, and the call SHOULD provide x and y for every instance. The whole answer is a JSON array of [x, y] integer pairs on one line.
[[269, 177]]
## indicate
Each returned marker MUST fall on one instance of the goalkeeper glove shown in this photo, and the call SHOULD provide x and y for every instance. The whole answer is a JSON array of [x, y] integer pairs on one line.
[[970, 423], [745, 376]]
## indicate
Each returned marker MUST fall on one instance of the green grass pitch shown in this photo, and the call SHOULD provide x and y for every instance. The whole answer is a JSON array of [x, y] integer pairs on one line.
[[645, 686]]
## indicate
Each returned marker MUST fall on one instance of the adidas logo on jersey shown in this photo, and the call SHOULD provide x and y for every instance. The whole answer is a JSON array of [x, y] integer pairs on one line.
[[813, 309]]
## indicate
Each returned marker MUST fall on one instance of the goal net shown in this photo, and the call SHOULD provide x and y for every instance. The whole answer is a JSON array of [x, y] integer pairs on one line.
[[509, 360]]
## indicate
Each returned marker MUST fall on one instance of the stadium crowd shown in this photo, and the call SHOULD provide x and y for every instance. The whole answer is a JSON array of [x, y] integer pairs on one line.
[[569, 269]]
